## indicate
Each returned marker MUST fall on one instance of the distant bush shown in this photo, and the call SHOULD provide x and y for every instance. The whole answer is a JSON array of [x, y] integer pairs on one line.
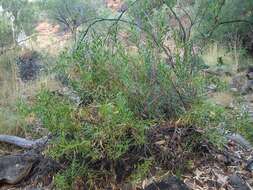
[[225, 21], [70, 14], [5, 32], [29, 65], [25, 15]]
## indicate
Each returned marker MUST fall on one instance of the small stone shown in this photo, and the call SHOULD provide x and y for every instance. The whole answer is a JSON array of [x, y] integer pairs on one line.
[[238, 183], [234, 90], [221, 158], [212, 87], [171, 183]]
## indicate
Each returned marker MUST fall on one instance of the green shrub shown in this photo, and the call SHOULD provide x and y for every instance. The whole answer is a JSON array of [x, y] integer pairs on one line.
[[152, 88], [126, 94], [99, 131], [66, 180], [122, 92]]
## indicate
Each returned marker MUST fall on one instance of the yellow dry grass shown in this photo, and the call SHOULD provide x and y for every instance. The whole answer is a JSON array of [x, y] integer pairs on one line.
[[213, 52], [224, 99], [232, 59]]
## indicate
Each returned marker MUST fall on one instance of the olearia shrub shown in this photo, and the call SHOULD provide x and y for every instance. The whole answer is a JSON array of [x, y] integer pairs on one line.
[[122, 94]]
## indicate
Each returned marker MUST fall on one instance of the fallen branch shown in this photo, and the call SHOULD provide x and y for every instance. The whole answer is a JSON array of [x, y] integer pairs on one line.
[[208, 71], [24, 143]]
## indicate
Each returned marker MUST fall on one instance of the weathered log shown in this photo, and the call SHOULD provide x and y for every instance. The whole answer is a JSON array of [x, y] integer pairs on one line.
[[22, 142]]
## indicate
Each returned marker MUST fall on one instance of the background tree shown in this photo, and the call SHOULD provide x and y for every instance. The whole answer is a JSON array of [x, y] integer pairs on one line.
[[224, 21], [22, 13], [5, 32], [70, 13]]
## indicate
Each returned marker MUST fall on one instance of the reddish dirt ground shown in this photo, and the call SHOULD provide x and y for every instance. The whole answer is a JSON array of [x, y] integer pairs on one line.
[[114, 4], [50, 38], [46, 28]]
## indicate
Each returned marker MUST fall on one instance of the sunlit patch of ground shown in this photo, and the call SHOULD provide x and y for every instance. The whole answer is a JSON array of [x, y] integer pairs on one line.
[[233, 72], [233, 59], [214, 52], [49, 38], [47, 28], [224, 99]]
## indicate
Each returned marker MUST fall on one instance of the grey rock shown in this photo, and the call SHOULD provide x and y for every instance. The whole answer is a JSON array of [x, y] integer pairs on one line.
[[247, 87], [234, 89], [249, 165], [14, 168], [238, 183], [212, 87], [171, 183], [71, 95]]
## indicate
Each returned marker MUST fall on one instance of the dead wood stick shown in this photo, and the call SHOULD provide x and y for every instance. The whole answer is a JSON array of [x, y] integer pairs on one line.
[[22, 142]]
